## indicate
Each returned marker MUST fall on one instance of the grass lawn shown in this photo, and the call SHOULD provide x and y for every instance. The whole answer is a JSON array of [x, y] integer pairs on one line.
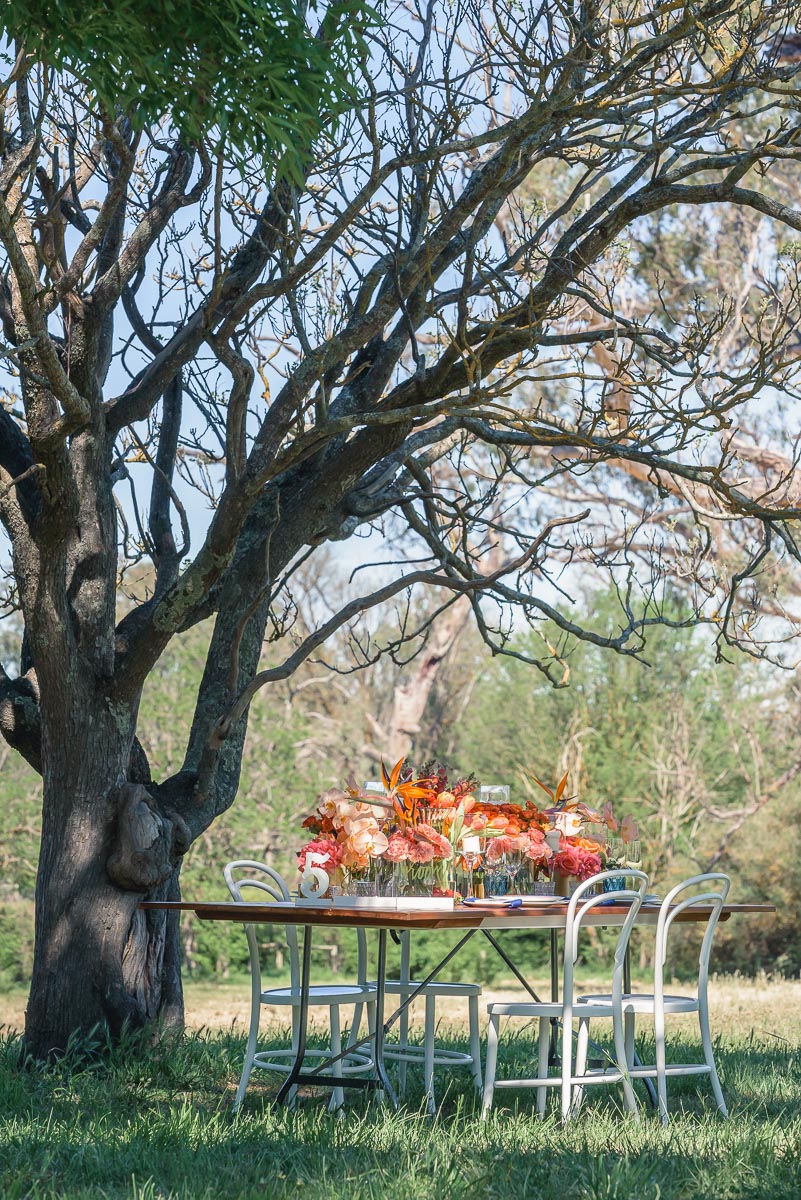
[[158, 1126]]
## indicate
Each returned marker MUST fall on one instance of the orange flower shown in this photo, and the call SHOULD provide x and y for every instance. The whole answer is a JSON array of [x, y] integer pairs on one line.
[[404, 796], [500, 822]]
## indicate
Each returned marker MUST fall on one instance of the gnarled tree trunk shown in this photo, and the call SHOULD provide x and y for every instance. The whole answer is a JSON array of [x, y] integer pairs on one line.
[[99, 961]]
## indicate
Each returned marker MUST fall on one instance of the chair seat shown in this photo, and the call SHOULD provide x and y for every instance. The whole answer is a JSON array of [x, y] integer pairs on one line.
[[401, 987], [333, 993], [529, 1008], [643, 1002]]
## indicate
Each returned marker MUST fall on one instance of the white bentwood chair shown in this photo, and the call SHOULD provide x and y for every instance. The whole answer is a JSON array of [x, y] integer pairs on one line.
[[430, 1054], [258, 877], [581, 907], [711, 889]]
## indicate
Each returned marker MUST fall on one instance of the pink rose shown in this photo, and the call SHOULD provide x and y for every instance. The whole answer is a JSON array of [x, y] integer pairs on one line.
[[397, 848], [590, 864], [568, 860], [326, 846], [421, 852], [442, 847]]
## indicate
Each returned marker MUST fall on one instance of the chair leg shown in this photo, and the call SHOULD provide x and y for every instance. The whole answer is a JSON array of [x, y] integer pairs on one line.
[[661, 1077], [567, 1069], [621, 1061], [543, 1048], [709, 1057], [628, 1034], [475, 1040], [338, 1094], [428, 1052], [490, 1065], [355, 1025], [250, 1054], [582, 1048]]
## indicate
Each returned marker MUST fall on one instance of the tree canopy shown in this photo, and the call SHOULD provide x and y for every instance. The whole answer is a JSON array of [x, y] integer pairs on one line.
[[433, 337]]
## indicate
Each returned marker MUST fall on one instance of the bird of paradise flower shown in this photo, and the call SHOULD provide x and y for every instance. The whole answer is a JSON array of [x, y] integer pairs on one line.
[[401, 798], [562, 803], [404, 796]]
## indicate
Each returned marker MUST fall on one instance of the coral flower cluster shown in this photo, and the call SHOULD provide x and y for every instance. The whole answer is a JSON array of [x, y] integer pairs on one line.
[[347, 831]]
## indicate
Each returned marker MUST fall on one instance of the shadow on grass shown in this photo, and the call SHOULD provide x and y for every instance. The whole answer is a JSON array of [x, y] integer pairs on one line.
[[157, 1126]]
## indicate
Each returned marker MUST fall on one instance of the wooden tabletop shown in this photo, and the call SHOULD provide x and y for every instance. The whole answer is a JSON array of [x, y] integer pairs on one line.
[[463, 917]]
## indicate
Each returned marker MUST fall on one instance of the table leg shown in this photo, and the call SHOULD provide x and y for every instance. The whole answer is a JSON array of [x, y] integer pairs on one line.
[[303, 1019], [553, 1055], [380, 1029]]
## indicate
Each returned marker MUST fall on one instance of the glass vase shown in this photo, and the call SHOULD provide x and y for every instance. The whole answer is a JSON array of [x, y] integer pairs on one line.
[[415, 879]]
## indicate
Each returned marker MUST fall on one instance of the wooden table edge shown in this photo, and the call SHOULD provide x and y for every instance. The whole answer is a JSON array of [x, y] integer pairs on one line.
[[460, 918]]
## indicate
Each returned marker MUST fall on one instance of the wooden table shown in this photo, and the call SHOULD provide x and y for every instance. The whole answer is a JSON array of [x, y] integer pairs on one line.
[[485, 917]]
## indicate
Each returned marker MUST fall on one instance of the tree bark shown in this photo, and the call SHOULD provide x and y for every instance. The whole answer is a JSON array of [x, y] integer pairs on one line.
[[410, 699], [99, 962]]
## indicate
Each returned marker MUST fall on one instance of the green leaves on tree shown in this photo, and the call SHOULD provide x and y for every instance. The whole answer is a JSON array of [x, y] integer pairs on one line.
[[255, 74]]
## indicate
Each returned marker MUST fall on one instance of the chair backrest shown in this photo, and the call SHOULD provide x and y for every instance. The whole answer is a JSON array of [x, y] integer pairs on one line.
[[711, 889], [246, 875], [258, 877], [581, 906]]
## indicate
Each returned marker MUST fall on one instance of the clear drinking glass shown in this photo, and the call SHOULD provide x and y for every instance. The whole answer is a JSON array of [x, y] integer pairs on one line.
[[513, 861], [616, 851], [494, 868], [471, 853], [633, 855]]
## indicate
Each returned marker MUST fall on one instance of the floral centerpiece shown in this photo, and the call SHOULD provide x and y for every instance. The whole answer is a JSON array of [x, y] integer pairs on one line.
[[408, 839]]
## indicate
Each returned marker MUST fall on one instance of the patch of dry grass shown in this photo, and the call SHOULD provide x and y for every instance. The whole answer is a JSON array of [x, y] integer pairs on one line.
[[740, 1007]]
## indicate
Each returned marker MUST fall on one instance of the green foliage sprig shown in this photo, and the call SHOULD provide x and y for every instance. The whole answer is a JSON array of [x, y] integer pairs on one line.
[[252, 73]]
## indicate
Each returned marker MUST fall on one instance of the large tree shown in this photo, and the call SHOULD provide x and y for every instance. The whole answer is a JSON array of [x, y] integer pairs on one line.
[[352, 348]]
